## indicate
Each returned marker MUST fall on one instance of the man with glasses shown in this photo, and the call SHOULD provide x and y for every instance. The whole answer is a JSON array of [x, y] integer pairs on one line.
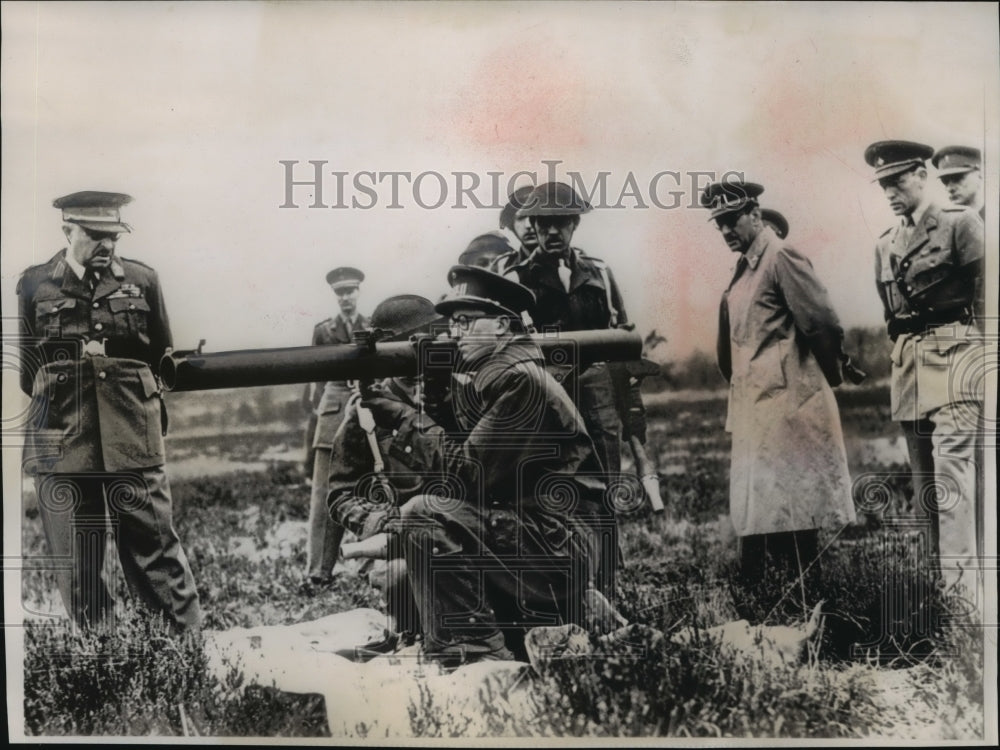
[[929, 270], [328, 400], [93, 327], [779, 347], [507, 542]]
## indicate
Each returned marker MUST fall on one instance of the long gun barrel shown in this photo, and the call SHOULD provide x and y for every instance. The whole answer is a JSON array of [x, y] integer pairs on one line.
[[197, 371]]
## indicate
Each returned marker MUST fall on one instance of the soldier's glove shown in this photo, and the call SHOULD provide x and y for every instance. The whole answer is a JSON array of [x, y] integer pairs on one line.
[[387, 413]]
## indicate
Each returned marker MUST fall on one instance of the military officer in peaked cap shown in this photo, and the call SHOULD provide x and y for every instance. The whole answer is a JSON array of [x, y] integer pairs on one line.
[[779, 347], [510, 544], [327, 401], [960, 169], [93, 327], [929, 272]]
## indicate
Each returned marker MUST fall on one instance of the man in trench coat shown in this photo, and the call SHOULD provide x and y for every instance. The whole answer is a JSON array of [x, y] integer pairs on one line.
[[779, 347]]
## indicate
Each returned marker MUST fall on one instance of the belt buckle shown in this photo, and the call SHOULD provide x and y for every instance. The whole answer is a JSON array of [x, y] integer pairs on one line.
[[95, 348]]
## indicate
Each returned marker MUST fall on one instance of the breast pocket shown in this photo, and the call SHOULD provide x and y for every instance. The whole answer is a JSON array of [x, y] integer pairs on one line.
[[54, 317], [931, 270], [131, 317]]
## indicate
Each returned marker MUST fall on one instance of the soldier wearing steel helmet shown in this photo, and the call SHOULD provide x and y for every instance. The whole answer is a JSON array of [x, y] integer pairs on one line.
[[483, 250], [776, 221], [521, 228], [573, 292], [929, 273], [368, 481], [93, 329]]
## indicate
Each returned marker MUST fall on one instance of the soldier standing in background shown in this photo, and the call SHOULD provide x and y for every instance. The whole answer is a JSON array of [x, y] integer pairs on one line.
[[779, 348], [485, 249], [960, 169], [573, 292], [519, 225], [330, 399], [93, 327], [929, 273]]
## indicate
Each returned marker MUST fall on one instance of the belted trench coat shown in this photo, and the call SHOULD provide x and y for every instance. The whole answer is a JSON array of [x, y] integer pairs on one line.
[[789, 467]]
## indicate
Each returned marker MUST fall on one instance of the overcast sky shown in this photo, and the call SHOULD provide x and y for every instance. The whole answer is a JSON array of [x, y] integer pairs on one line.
[[190, 108]]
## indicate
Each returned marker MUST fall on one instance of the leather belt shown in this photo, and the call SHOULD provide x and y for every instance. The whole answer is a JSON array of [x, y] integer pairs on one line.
[[106, 348], [920, 323]]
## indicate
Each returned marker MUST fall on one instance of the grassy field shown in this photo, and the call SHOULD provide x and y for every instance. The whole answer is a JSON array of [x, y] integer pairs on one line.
[[906, 671]]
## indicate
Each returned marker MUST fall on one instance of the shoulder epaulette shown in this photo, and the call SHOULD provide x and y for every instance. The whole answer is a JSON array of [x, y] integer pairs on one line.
[[885, 233], [32, 273], [586, 256], [137, 262], [956, 209]]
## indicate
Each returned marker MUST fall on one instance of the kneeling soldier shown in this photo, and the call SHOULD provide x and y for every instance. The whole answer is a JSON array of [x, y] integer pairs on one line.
[[509, 542], [367, 479]]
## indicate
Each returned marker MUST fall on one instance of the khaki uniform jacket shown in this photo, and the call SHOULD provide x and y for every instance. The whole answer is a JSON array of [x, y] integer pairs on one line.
[[92, 413], [789, 467], [329, 398], [527, 448], [938, 275]]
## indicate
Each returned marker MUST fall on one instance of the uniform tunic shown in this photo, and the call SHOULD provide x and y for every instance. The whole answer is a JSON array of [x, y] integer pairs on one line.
[[510, 538], [592, 302], [329, 398], [789, 466], [88, 357], [932, 290]]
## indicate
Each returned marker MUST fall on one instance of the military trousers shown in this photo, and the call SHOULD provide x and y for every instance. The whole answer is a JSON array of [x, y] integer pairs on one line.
[[944, 453], [482, 576], [325, 534], [79, 510], [597, 405]]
